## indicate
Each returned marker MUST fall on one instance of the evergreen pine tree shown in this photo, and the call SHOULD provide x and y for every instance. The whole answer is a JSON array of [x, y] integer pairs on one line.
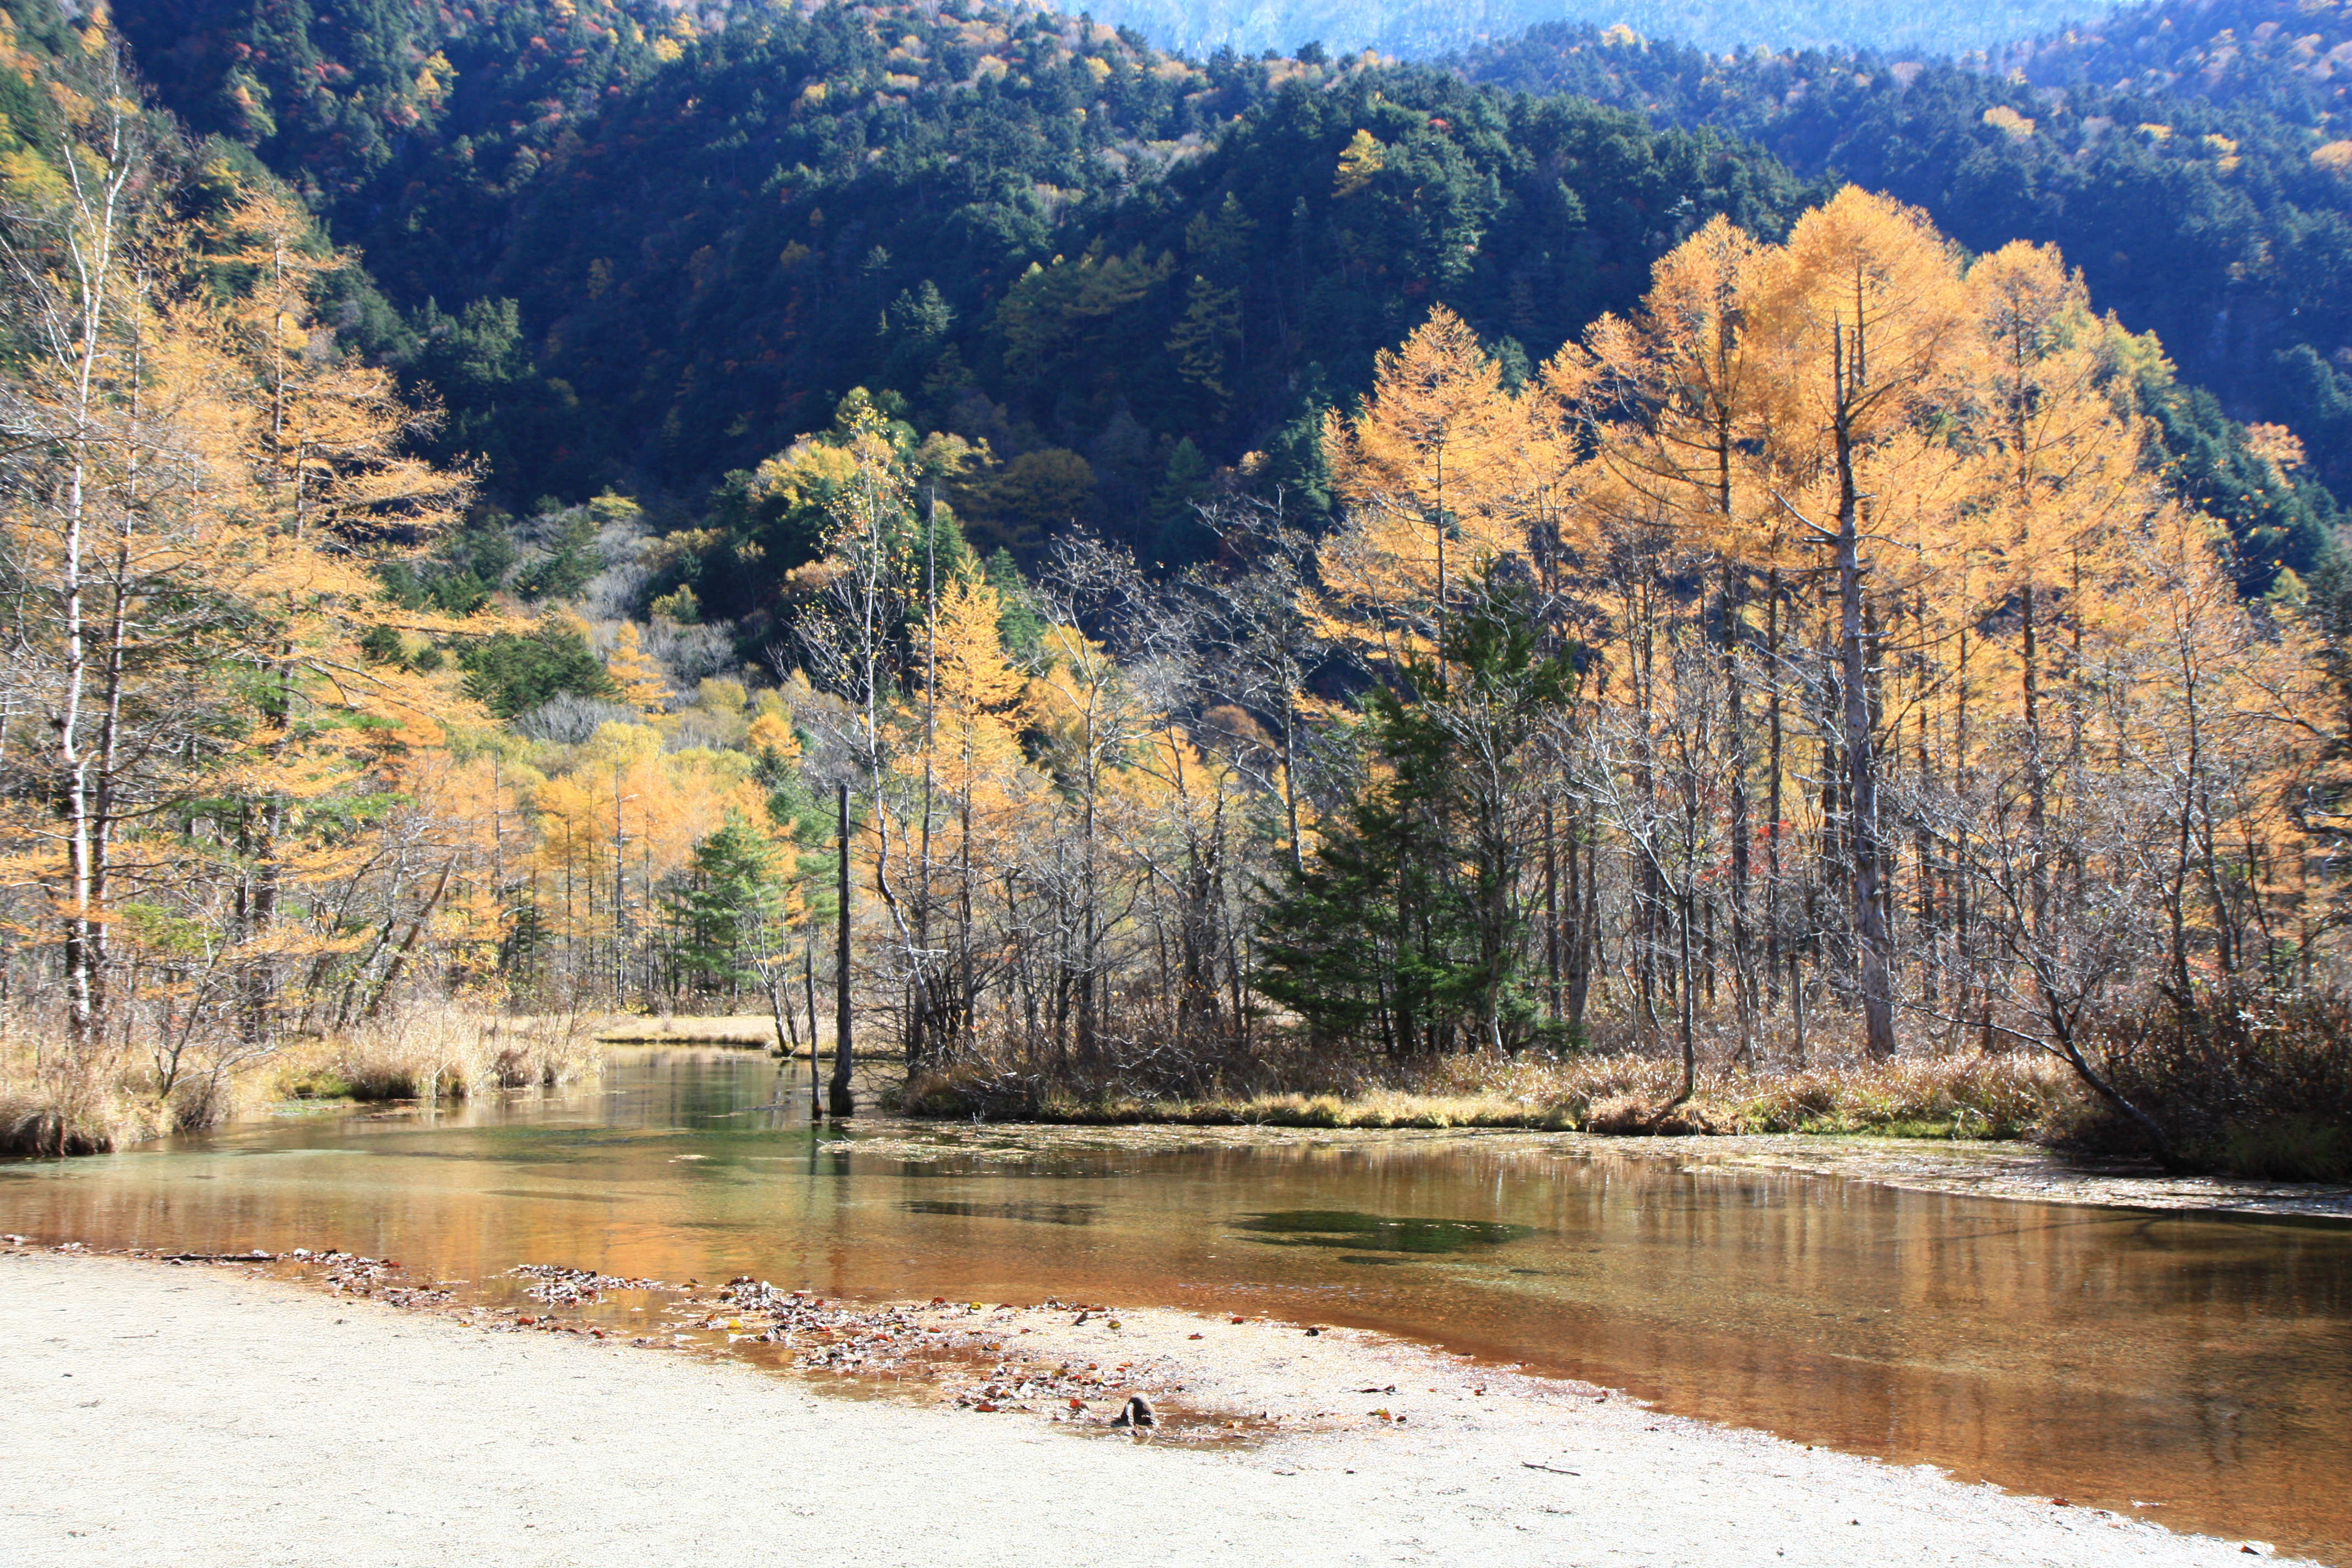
[[734, 892], [1179, 536], [1402, 929]]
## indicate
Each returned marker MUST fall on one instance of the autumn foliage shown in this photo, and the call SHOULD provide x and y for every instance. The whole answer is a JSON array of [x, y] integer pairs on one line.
[[1815, 661], [1907, 694]]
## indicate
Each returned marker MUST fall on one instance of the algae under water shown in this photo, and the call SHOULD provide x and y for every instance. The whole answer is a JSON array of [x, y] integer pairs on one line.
[[2109, 1356]]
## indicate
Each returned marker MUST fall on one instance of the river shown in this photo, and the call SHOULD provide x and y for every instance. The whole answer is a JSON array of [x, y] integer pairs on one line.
[[2114, 1357]]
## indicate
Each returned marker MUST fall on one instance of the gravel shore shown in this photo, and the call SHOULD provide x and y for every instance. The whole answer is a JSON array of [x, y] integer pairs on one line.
[[206, 1414]]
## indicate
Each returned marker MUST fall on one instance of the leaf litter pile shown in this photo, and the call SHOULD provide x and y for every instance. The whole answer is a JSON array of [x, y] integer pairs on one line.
[[965, 1355]]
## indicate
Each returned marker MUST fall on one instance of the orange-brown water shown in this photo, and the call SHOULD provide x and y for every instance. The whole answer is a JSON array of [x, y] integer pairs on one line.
[[2108, 1357]]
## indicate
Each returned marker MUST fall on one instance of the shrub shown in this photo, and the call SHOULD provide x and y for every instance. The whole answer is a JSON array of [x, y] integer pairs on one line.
[[2242, 1083], [64, 1104]]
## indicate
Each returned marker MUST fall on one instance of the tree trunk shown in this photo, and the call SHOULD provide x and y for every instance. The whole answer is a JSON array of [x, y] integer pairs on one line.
[[1735, 698], [838, 1100], [1862, 768]]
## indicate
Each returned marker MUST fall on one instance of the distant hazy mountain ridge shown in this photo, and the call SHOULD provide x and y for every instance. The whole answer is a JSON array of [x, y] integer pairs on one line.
[[2261, 51], [1425, 28]]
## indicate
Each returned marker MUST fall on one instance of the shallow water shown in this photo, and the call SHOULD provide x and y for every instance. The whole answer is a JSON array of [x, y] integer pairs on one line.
[[2106, 1356]]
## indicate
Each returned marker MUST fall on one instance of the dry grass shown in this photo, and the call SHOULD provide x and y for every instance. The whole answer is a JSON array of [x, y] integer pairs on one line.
[[1958, 1094], [55, 1102], [1955, 1096], [439, 1053], [2247, 1083], [746, 1030], [63, 1107]]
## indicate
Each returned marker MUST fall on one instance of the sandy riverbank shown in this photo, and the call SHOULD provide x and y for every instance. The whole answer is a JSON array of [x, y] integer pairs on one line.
[[202, 1415]]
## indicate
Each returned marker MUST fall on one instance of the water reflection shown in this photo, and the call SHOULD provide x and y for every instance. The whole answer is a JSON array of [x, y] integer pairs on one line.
[[2103, 1356]]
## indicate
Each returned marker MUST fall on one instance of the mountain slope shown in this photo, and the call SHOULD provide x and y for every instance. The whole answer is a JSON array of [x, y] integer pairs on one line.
[[2192, 160], [712, 238], [643, 251]]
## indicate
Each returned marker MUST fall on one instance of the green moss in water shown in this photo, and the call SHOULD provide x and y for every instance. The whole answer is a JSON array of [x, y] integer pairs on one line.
[[1361, 1233], [1033, 1213]]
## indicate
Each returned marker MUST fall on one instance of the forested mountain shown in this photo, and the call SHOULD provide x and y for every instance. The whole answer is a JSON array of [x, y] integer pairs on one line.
[[645, 249], [2293, 58], [1422, 28], [2192, 160], [1120, 269]]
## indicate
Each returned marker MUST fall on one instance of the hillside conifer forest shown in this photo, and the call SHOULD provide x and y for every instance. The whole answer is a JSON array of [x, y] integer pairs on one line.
[[1582, 582]]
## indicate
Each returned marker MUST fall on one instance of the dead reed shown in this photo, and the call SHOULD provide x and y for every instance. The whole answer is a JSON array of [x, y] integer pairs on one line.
[[1933, 1095], [748, 1030], [54, 1104], [102, 1098], [444, 1052], [55, 1101]]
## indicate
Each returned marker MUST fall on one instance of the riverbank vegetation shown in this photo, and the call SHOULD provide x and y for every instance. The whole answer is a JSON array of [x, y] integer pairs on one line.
[[1815, 697], [99, 1098], [435, 1052], [1817, 653], [2010, 1097]]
